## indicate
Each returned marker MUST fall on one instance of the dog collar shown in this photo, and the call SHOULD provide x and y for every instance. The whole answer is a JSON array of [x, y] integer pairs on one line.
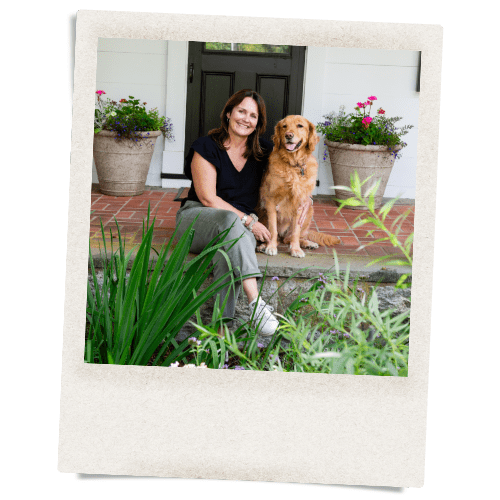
[[301, 167]]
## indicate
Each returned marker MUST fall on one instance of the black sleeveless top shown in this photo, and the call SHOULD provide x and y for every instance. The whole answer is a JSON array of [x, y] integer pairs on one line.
[[239, 189]]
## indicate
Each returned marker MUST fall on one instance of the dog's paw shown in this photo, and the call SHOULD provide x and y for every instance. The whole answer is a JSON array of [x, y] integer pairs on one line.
[[261, 248], [271, 250], [309, 244], [297, 252]]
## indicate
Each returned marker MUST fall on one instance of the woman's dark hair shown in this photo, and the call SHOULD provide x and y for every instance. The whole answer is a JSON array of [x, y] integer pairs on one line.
[[221, 134]]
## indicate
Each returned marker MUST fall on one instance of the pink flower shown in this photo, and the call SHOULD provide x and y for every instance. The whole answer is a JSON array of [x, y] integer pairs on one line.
[[369, 102], [381, 111], [123, 100], [367, 119], [361, 104], [372, 98], [100, 92]]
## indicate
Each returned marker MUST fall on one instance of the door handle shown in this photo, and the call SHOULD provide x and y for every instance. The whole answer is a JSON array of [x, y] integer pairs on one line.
[[191, 72]]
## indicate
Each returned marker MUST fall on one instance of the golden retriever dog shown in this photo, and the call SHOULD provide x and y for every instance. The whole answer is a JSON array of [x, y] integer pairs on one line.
[[288, 182]]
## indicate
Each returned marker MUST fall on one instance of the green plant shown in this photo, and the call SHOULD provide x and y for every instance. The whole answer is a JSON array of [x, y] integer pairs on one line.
[[338, 328], [379, 219], [128, 118], [333, 328], [135, 319], [361, 128]]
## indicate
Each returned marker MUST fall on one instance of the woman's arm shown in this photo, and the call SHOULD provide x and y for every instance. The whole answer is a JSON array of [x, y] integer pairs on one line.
[[204, 182]]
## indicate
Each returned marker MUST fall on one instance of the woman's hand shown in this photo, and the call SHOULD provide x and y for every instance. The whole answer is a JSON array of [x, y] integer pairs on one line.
[[261, 232], [303, 210]]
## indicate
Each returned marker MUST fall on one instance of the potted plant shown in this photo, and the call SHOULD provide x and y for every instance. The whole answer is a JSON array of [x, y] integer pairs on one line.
[[124, 139], [357, 142]]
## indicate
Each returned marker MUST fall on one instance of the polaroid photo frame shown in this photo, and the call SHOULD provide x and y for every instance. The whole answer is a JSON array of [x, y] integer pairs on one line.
[[245, 425]]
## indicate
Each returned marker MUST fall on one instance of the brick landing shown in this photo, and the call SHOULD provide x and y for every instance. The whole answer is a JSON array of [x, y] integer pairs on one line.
[[131, 211]]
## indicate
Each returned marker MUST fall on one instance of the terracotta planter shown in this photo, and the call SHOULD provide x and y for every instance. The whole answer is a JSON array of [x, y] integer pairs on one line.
[[367, 161], [122, 166]]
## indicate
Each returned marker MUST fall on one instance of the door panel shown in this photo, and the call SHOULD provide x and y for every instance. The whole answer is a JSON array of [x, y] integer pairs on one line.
[[215, 75], [274, 91]]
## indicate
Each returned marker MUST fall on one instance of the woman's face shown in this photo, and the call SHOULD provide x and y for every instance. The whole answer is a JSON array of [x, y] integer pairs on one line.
[[244, 117]]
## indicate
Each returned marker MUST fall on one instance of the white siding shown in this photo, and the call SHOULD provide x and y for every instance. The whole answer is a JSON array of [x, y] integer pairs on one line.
[[135, 68], [351, 75]]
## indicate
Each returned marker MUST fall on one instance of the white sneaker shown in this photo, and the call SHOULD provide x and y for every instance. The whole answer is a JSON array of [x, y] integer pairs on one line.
[[263, 319]]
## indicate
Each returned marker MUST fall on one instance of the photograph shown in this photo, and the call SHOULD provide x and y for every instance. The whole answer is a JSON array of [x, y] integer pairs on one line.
[[252, 207]]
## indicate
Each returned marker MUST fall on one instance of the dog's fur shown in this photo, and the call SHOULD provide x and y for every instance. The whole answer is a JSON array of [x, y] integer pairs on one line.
[[288, 182]]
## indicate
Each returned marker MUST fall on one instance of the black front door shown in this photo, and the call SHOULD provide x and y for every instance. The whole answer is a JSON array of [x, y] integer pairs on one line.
[[218, 70]]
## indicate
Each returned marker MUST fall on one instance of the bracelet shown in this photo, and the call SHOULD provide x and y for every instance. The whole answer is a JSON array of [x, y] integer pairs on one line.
[[252, 222], [254, 217], [244, 219]]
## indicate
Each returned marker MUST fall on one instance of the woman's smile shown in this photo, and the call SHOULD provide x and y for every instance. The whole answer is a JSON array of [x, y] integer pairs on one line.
[[244, 117]]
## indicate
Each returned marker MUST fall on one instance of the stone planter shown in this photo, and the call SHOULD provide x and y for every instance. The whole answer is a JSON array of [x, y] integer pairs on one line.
[[368, 161], [122, 166]]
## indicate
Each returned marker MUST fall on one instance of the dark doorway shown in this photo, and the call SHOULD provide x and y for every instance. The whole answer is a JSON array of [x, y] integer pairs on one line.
[[217, 70]]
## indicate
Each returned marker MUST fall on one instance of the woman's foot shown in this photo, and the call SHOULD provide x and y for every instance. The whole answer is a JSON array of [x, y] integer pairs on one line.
[[263, 319]]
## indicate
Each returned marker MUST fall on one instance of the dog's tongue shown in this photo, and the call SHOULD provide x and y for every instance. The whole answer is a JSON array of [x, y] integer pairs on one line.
[[290, 146]]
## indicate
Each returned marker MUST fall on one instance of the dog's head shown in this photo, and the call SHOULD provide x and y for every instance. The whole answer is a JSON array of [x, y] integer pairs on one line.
[[295, 133]]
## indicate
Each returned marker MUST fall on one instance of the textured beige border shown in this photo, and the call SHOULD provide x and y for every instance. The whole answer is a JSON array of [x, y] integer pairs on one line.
[[308, 428]]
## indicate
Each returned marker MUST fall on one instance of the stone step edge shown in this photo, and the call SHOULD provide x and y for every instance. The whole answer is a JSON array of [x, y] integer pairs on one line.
[[284, 267]]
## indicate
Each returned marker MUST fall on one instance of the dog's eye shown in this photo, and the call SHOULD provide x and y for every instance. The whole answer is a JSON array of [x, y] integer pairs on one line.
[[284, 126], [300, 125]]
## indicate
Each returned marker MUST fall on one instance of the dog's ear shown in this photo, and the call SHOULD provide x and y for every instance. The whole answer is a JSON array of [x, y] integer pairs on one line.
[[313, 138], [276, 138]]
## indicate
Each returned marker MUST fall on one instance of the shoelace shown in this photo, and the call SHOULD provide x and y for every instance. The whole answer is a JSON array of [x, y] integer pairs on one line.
[[260, 315]]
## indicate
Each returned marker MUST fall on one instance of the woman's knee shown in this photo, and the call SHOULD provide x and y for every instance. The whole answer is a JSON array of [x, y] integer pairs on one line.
[[227, 219]]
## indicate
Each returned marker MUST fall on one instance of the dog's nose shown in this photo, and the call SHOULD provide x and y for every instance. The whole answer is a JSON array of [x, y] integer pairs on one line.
[[289, 135]]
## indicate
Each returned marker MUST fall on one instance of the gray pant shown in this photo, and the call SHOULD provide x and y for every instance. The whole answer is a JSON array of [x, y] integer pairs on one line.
[[210, 223]]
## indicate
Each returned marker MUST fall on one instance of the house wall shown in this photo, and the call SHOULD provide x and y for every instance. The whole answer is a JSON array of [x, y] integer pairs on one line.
[[348, 76], [135, 68], [156, 72]]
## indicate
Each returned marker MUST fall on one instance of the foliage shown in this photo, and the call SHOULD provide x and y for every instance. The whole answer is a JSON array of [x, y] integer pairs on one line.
[[361, 128], [135, 320], [379, 219], [333, 328], [129, 118], [248, 47]]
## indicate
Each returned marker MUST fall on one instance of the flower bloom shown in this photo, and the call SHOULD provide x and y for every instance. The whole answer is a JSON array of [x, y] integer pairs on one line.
[[381, 111], [100, 92], [372, 98], [239, 368], [366, 120], [123, 100], [369, 102], [361, 104], [275, 278]]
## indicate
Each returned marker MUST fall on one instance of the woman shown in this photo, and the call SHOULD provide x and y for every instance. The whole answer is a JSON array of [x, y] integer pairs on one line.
[[226, 168]]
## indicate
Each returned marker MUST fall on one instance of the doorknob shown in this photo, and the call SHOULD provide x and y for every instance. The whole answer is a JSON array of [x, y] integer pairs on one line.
[[191, 72]]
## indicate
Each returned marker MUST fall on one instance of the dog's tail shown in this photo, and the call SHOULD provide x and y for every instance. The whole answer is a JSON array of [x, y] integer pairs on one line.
[[326, 240]]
